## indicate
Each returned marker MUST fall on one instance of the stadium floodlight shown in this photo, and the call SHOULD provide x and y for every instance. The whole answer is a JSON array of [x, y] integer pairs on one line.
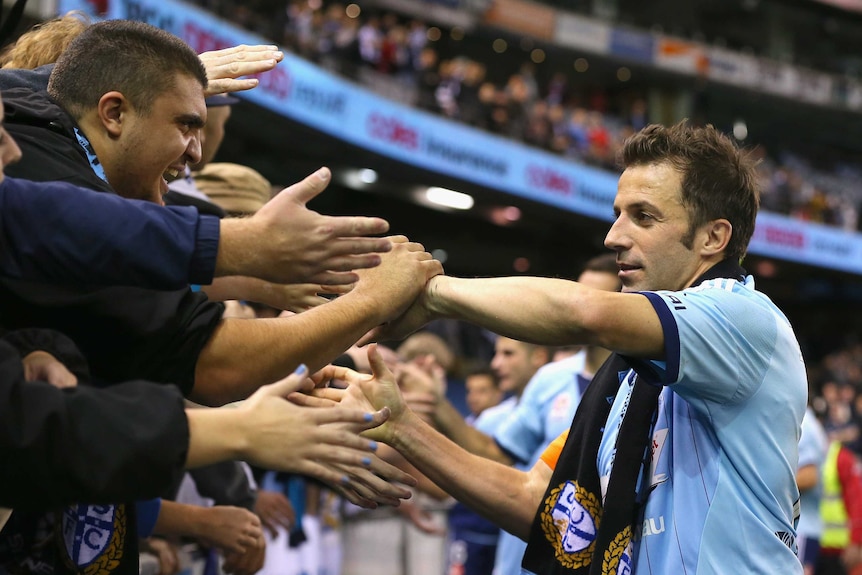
[[367, 176], [740, 130], [449, 198]]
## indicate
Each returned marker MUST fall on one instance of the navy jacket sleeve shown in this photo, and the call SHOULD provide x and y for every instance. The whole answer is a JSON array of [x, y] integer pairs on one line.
[[60, 233], [83, 444]]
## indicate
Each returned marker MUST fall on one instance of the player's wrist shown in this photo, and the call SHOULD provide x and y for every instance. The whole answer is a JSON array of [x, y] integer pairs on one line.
[[401, 430], [429, 295], [433, 298]]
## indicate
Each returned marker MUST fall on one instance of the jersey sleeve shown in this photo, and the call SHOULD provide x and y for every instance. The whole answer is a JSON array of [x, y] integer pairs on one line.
[[718, 342], [490, 419], [520, 434]]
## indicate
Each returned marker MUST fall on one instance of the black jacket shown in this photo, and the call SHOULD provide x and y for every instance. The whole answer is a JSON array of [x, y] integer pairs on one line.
[[100, 445], [104, 446], [125, 333], [46, 135], [58, 446]]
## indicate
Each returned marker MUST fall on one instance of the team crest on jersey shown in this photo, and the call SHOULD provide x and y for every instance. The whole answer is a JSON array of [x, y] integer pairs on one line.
[[93, 537], [561, 406], [571, 516], [618, 556]]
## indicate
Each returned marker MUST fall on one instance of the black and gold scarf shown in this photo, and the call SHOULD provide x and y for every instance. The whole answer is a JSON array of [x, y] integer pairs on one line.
[[573, 532]]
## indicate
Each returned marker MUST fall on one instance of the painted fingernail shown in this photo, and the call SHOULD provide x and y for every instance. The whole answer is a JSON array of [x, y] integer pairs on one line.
[[345, 480], [372, 445], [366, 461], [301, 369], [369, 417]]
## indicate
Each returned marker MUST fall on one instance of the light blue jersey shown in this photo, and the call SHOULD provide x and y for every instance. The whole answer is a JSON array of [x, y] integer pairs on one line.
[[812, 451], [492, 418], [488, 422], [722, 482], [545, 410]]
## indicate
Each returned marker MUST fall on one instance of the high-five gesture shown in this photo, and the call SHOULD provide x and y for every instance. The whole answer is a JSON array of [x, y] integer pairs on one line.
[[285, 242], [364, 392], [401, 277], [416, 315], [226, 67], [273, 433]]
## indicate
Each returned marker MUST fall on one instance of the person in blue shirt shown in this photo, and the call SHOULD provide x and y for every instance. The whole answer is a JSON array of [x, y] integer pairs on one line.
[[472, 538], [682, 455], [813, 446], [514, 364]]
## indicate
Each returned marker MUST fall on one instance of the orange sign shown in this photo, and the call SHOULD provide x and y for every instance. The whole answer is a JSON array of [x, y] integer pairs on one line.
[[523, 17]]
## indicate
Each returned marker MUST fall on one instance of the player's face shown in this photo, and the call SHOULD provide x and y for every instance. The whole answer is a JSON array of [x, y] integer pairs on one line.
[[649, 229], [482, 392], [514, 363]]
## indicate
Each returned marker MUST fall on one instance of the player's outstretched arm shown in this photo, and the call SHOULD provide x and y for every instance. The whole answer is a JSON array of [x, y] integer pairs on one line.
[[273, 433], [503, 494]]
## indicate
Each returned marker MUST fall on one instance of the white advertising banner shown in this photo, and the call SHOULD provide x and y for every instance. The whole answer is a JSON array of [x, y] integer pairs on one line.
[[732, 67], [582, 33]]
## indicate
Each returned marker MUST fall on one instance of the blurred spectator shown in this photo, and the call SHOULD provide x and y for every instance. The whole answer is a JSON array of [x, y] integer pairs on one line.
[[841, 511], [812, 453], [370, 38], [473, 539], [427, 80]]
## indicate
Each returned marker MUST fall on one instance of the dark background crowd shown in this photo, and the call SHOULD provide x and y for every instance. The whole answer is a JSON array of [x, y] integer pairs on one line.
[[564, 112]]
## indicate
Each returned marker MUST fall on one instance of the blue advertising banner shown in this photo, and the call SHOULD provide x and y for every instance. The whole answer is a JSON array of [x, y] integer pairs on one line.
[[815, 244], [305, 93], [632, 44]]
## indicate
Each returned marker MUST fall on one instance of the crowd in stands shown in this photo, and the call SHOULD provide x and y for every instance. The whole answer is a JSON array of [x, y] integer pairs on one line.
[[585, 124], [838, 402]]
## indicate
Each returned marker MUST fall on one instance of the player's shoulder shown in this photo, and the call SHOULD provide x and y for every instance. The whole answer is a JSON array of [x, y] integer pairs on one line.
[[733, 296]]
